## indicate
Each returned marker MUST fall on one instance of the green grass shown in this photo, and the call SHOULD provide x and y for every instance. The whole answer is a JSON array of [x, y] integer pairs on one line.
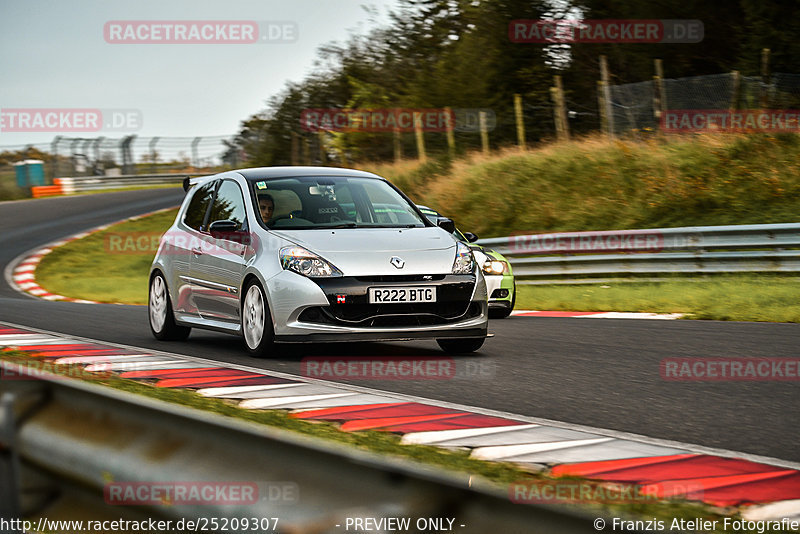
[[745, 297], [9, 189], [501, 474], [107, 266]]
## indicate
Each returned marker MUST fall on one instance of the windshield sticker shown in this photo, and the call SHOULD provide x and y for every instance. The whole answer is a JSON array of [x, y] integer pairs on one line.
[[261, 185]]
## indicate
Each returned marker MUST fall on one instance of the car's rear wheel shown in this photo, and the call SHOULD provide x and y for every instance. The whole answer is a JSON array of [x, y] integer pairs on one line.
[[159, 309], [460, 346], [257, 328]]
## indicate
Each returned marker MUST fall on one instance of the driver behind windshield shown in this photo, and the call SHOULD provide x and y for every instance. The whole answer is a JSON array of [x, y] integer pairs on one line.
[[266, 206]]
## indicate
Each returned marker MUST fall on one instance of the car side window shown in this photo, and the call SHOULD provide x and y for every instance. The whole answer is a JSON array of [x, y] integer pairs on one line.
[[198, 207], [229, 205]]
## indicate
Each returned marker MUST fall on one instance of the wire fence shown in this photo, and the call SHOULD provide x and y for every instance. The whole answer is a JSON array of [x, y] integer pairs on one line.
[[630, 109], [634, 106], [114, 156]]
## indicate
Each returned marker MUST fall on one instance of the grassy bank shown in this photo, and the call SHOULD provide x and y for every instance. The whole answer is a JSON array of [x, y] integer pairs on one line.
[[107, 266], [597, 184], [9, 189]]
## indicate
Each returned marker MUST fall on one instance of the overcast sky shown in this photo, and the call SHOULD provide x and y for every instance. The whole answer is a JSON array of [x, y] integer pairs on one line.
[[55, 55]]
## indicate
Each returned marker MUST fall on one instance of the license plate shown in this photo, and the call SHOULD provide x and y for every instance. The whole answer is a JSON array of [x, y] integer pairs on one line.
[[388, 295]]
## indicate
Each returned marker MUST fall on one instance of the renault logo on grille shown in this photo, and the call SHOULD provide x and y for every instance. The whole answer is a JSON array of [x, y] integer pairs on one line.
[[397, 262]]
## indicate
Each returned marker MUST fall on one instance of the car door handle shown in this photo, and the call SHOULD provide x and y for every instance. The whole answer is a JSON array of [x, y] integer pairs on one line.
[[197, 251]]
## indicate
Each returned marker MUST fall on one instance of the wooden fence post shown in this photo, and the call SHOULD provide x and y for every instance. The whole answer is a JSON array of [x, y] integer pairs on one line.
[[520, 120], [323, 156], [764, 78], [451, 138], [484, 132], [659, 95], [736, 90], [560, 110], [606, 95], [295, 149], [423, 157]]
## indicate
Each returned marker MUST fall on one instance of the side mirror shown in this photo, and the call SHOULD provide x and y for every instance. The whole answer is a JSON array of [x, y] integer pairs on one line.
[[229, 230], [446, 224], [471, 238], [223, 227]]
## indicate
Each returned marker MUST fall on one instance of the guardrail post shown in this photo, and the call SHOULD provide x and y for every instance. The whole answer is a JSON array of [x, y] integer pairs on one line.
[[72, 156], [99, 169], [153, 154], [195, 155], [127, 157], [9, 462], [54, 152]]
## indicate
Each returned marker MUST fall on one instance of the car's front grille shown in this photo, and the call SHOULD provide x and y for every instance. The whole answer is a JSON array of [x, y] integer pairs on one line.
[[382, 315], [348, 301]]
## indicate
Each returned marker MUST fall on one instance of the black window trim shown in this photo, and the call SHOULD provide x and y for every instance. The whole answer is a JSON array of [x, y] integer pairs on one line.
[[206, 222], [203, 226]]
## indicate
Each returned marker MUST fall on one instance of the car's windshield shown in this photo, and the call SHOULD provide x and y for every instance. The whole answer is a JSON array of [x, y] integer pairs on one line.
[[332, 202]]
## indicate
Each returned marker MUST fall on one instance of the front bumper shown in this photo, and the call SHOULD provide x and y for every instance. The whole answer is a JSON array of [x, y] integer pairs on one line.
[[500, 289], [306, 310]]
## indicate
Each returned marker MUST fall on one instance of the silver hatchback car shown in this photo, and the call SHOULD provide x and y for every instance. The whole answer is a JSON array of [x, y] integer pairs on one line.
[[313, 254]]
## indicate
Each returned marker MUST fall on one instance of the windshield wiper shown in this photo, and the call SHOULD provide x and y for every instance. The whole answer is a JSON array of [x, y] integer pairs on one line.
[[342, 225]]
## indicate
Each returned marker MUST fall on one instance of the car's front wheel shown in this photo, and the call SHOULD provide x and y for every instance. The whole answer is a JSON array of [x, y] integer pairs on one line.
[[256, 321], [159, 308], [460, 346]]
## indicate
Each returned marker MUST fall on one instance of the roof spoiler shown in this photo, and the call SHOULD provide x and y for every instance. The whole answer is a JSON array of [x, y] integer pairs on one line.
[[190, 182]]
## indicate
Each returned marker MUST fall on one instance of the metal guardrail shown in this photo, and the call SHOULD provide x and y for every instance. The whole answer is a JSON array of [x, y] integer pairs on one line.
[[93, 183], [60, 438], [692, 249]]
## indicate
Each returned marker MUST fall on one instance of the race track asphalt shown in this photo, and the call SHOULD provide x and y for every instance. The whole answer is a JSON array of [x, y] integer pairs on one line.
[[598, 372]]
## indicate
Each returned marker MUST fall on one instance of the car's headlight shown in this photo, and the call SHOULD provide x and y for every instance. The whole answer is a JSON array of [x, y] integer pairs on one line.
[[495, 267], [307, 263], [464, 263]]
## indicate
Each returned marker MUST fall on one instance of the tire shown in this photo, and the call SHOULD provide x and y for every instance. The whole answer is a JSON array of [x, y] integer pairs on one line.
[[502, 313], [160, 314], [257, 330], [460, 346]]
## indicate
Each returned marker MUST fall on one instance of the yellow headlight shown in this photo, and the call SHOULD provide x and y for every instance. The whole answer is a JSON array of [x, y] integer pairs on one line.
[[494, 267]]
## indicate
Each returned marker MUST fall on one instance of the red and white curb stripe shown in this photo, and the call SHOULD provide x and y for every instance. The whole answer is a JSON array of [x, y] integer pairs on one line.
[[596, 315], [756, 487], [21, 273]]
